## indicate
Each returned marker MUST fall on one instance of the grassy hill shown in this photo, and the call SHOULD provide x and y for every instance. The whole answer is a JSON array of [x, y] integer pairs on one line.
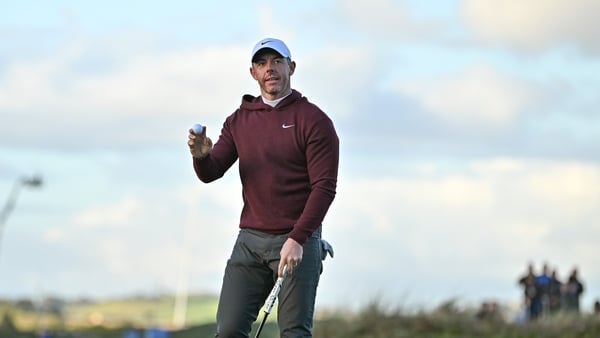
[[138, 311]]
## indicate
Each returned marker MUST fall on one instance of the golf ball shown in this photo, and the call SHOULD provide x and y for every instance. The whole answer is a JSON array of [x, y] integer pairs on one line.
[[197, 128]]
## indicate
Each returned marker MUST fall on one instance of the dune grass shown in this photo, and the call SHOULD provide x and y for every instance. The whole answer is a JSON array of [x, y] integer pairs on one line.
[[109, 319]]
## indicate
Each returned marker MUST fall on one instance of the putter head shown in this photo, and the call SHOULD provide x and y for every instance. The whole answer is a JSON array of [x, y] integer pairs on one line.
[[326, 248]]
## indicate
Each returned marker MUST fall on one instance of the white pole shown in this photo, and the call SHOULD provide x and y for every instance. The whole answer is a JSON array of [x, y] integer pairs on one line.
[[182, 290]]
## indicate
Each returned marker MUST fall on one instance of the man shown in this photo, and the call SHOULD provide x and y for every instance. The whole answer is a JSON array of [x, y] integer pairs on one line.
[[555, 293], [527, 282], [288, 153], [540, 300], [572, 292]]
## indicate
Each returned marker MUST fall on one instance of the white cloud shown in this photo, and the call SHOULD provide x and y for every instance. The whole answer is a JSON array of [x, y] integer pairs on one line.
[[503, 210], [54, 235], [118, 214], [387, 19], [479, 95], [498, 196], [573, 189], [335, 73], [271, 26], [64, 94], [142, 239], [535, 25], [556, 193]]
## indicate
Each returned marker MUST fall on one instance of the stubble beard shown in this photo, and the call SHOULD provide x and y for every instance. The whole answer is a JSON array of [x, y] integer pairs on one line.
[[277, 91]]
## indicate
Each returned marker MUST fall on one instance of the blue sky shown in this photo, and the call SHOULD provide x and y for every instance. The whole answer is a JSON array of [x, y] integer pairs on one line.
[[470, 142]]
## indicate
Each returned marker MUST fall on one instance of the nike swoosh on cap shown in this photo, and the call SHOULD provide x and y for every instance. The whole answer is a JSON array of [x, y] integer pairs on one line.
[[265, 42]]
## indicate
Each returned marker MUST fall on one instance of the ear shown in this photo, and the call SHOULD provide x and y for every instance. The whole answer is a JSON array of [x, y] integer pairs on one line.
[[292, 67], [253, 73]]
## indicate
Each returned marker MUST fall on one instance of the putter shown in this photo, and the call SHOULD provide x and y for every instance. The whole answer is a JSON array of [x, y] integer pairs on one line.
[[271, 299]]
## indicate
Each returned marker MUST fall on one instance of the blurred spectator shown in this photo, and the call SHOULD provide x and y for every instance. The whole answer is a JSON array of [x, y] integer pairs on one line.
[[157, 333], [132, 333], [527, 282], [572, 292], [540, 301], [546, 294], [489, 311], [555, 292]]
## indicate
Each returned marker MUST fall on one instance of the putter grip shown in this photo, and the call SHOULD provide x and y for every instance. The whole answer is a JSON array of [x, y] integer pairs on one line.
[[275, 291]]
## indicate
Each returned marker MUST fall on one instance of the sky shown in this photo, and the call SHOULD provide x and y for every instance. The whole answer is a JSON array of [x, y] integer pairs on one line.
[[469, 143]]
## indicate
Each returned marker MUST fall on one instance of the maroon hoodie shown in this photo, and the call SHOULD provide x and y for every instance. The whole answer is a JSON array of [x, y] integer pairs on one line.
[[288, 165]]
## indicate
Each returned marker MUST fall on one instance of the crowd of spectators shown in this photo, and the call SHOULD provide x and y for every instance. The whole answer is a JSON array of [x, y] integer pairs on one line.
[[545, 293]]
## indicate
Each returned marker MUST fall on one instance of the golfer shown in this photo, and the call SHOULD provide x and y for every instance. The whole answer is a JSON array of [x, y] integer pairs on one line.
[[288, 153]]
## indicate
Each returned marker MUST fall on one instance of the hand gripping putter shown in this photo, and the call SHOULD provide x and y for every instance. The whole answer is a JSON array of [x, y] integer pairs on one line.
[[271, 299]]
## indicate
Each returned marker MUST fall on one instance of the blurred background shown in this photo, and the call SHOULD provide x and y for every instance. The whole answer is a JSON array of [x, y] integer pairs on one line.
[[470, 143]]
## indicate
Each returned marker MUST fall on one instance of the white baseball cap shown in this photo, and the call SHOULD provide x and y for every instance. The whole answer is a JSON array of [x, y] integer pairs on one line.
[[274, 44]]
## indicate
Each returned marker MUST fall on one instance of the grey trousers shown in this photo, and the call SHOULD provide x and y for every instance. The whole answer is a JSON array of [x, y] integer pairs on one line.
[[250, 274]]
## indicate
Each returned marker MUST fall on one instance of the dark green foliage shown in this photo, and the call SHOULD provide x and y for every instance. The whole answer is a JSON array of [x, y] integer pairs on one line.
[[7, 324], [8, 329], [448, 321]]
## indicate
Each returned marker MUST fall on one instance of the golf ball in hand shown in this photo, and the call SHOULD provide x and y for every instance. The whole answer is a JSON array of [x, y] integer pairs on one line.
[[197, 128]]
